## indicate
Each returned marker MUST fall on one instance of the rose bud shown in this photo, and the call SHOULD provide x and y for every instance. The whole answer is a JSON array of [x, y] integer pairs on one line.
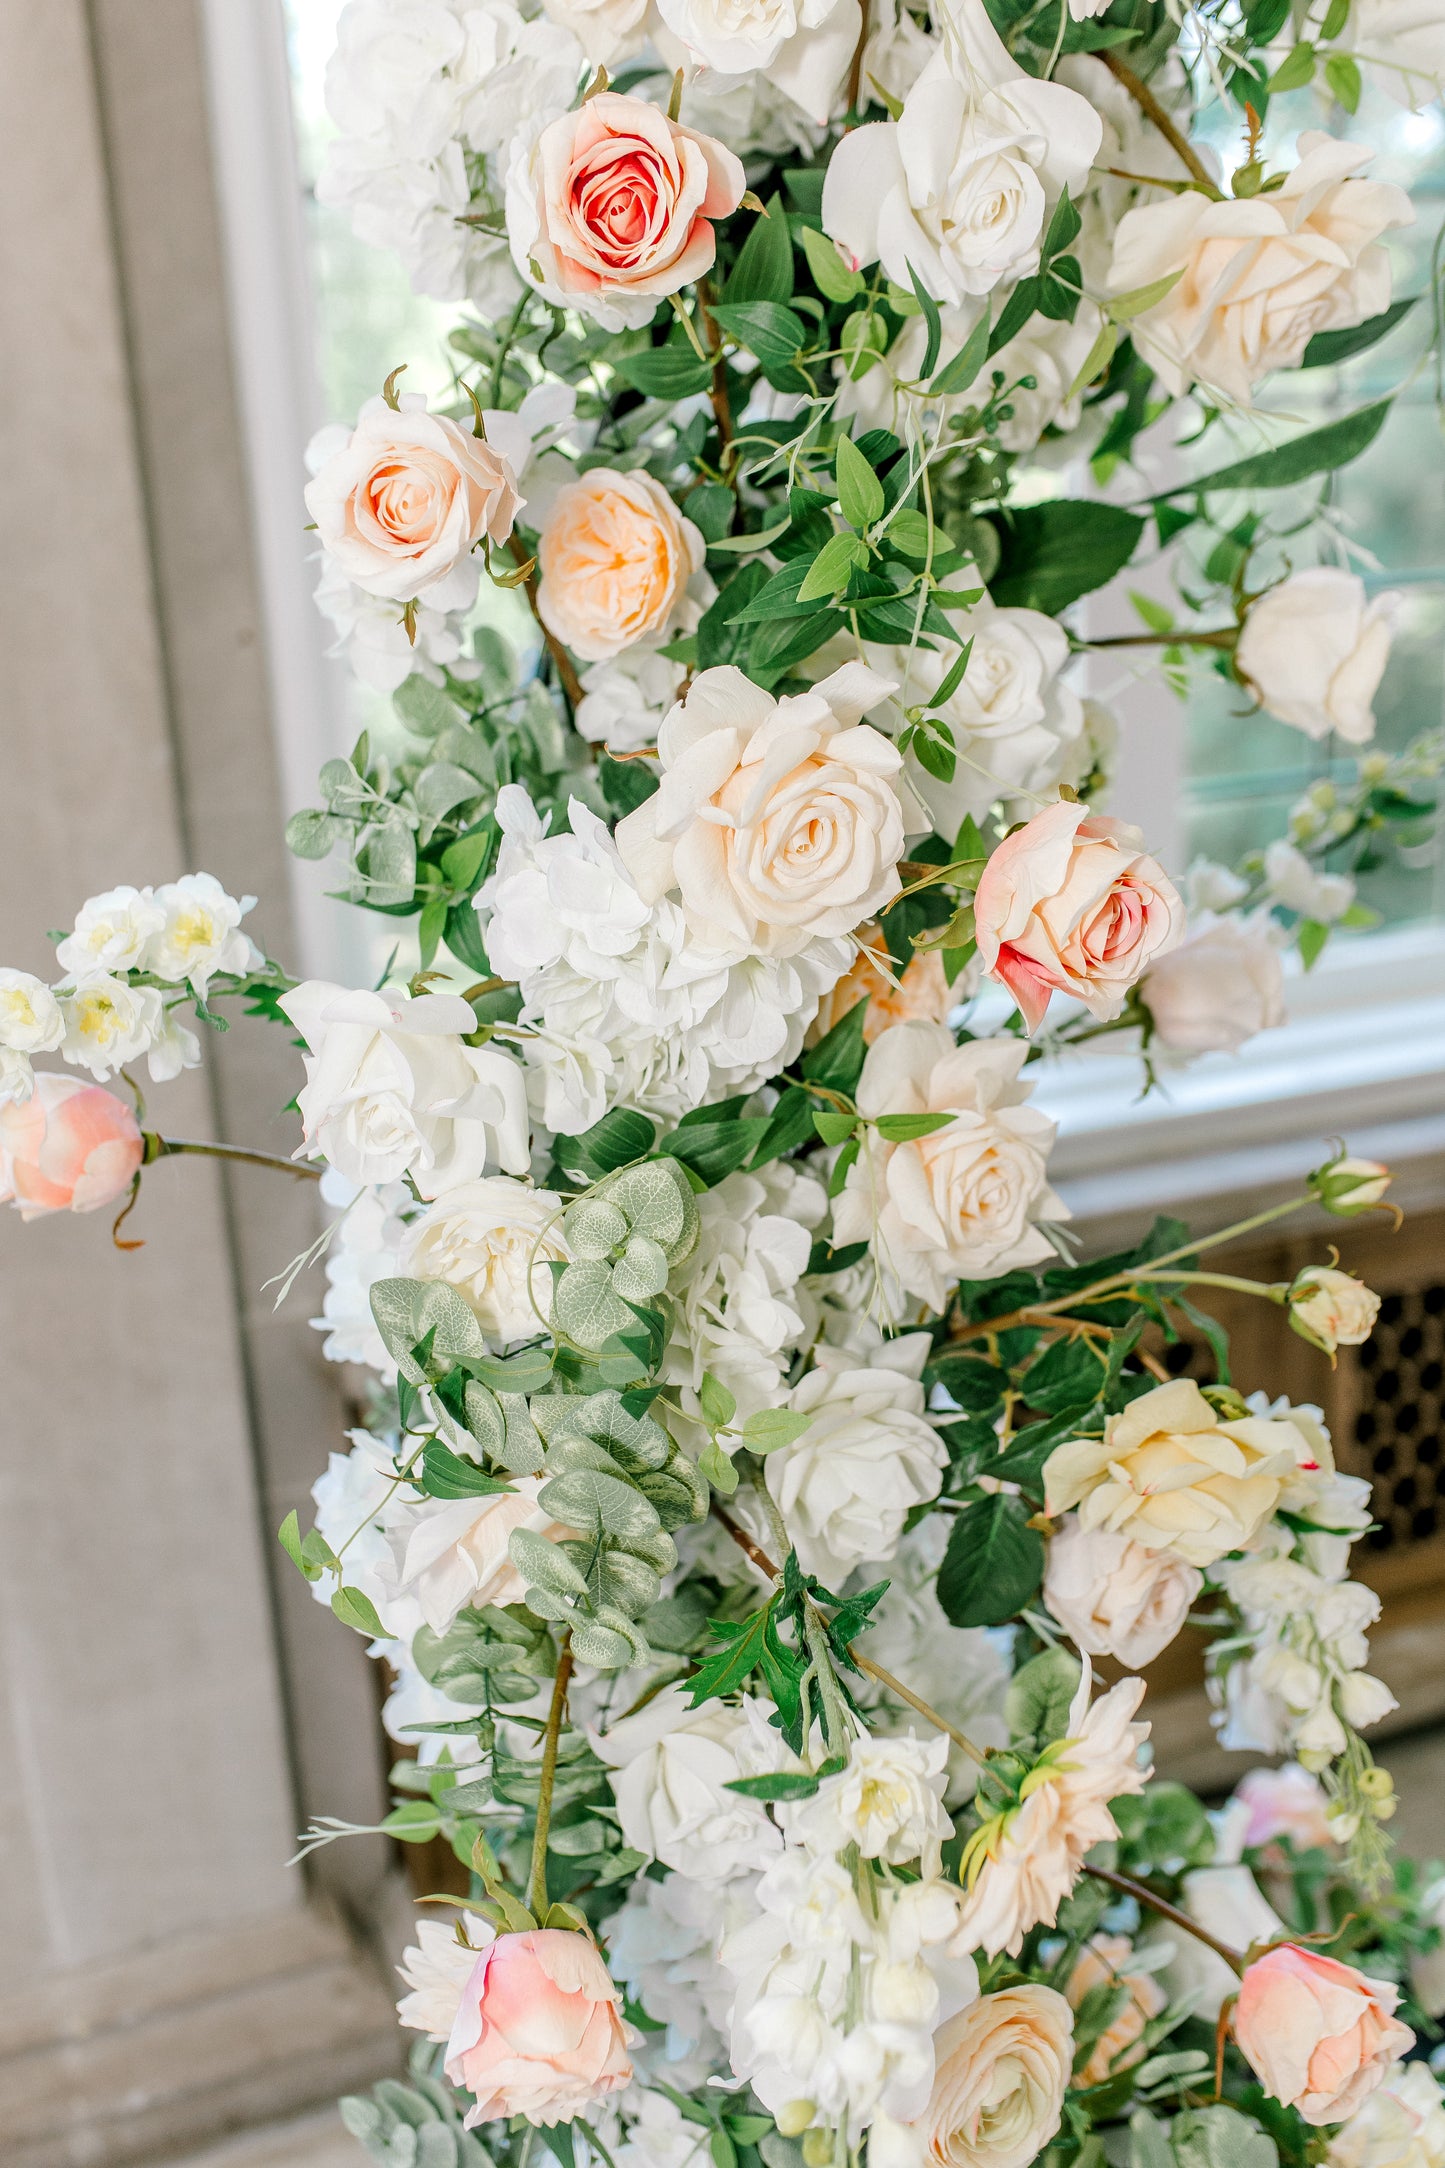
[[1332, 1309], [538, 2032], [1319, 2035], [70, 1147]]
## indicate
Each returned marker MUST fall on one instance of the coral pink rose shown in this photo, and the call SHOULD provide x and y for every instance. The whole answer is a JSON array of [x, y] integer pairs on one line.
[[1071, 904], [1319, 2035], [70, 1147], [538, 2032], [613, 210], [616, 556]]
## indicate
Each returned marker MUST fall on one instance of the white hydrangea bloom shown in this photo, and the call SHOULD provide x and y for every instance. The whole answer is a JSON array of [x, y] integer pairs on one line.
[[662, 1948], [366, 1247]]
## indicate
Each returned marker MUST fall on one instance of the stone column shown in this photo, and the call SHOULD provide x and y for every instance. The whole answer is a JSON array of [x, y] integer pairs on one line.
[[172, 1707]]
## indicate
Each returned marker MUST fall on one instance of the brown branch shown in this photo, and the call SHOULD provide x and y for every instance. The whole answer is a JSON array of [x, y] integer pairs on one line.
[[566, 668], [722, 406], [1150, 107], [1144, 1896], [1225, 638], [855, 72]]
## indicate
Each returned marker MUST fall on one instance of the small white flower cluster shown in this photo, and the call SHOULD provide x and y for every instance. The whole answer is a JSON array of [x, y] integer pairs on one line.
[[178, 936]]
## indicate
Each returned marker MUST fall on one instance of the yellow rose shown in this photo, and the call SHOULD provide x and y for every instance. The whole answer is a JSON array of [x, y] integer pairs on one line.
[[615, 558]]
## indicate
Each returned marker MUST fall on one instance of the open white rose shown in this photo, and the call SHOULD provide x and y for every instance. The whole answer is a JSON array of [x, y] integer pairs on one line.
[[961, 1202], [960, 189], [1223, 983], [1314, 650], [803, 46], [404, 504], [777, 821], [671, 1768], [1114, 1597], [453, 1551], [888, 1801], [111, 931], [391, 1088], [1259, 275], [492, 1240], [868, 1456]]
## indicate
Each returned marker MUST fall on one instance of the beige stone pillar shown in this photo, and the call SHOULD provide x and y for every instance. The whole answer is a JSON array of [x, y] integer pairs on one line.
[[171, 1706]]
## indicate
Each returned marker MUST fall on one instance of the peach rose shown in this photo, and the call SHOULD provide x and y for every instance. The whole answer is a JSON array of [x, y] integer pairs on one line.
[[614, 207], [1319, 2035], [1104, 1962], [615, 558], [401, 508], [69, 1147], [1114, 1597], [1002, 2067], [920, 994], [538, 2032], [1073, 905]]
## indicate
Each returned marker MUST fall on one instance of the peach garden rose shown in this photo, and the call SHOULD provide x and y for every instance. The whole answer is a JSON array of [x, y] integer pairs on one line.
[[1319, 2035], [69, 1147], [615, 557], [539, 2032]]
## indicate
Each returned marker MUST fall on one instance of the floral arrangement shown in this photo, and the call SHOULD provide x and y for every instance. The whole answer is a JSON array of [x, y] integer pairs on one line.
[[763, 1516]]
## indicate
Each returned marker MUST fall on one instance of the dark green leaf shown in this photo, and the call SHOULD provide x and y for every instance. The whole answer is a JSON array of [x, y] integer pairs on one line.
[[626, 784], [764, 269], [666, 372], [1053, 553], [785, 1784], [1318, 451], [860, 493], [974, 1384], [837, 1059], [774, 333], [932, 318], [957, 375], [718, 1148], [1019, 307], [1064, 228], [993, 1564], [1328, 347], [789, 1126], [447, 1475], [1067, 1375], [621, 1136], [718, 641], [735, 1661]]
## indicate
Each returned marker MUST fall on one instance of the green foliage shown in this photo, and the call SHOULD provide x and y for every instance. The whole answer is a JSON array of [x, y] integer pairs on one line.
[[417, 2125], [993, 1564], [1316, 451], [1055, 552]]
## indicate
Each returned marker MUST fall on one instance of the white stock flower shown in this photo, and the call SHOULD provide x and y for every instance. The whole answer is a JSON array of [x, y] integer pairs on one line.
[[671, 1766], [1402, 43], [1221, 985], [962, 1201], [1260, 275], [1114, 1597], [1303, 1680], [392, 1089], [739, 1311], [961, 187], [776, 821], [492, 1240], [1402, 2124], [888, 1801], [1314, 650], [1295, 883], [867, 1458], [108, 1022], [30, 1016], [436, 1969], [200, 933], [802, 46], [624, 700], [366, 1247], [111, 932]]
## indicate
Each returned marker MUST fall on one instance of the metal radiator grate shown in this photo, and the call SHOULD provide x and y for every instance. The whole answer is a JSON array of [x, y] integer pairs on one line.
[[1400, 1417]]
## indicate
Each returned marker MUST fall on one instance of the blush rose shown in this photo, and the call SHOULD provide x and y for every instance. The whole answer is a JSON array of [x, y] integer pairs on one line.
[[538, 2032], [69, 1147], [615, 557], [1319, 2035]]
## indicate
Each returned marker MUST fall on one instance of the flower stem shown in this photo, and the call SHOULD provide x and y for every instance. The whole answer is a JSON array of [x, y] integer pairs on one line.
[[1143, 1895], [1272, 1290], [170, 1147], [1224, 638], [537, 1878], [1152, 110], [566, 668], [722, 406]]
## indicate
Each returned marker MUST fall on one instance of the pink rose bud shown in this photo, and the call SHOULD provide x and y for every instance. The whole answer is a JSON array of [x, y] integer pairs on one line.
[[1071, 904], [538, 2032], [70, 1147], [1319, 2035]]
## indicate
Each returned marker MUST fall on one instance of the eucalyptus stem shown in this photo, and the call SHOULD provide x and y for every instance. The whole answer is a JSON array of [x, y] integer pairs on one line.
[[537, 1877], [1143, 1895], [157, 1147]]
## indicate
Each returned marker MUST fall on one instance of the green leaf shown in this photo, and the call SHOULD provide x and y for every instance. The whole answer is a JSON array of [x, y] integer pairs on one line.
[[837, 1059], [903, 1128], [735, 1661], [1017, 310], [413, 1822], [423, 707], [789, 1126], [1329, 347], [773, 1427], [718, 1405], [860, 493], [766, 328], [776, 596], [1342, 74], [976, 1385], [1220, 2138], [288, 1535], [311, 834], [764, 269], [956, 376], [783, 1784], [1318, 451], [666, 372], [710, 507], [1310, 938], [834, 1127], [1067, 1375], [1040, 1695], [622, 1135], [932, 319], [447, 1475], [714, 1465], [1064, 228], [1295, 70], [718, 641], [716, 1149], [462, 861], [1052, 553], [993, 1564], [1098, 358], [1123, 308], [833, 567], [949, 685], [354, 1609], [831, 276]]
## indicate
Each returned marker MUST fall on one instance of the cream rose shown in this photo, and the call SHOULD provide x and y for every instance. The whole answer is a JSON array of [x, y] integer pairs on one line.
[[392, 1088], [777, 821], [1002, 2068], [1170, 1474], [1332, 1309], [963, 1201], [868, 1456], [1401, 2125], [615, 558], [1314, 650], [1217, 989], [1319, 2035], [493, 1241], [671, 1768], [449, 1552], [1072, 904], [802, 47], [613, 208], [1259, 275], [403, 506], [1114, 1597]]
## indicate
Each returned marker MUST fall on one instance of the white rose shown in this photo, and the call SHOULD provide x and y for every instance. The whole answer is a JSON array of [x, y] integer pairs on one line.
[[1402, 42], [624, 700], [961, 188], [1222, 985], [803, 46], [111, 931], [449, 1552], [888, 1801], [1401, 2125], [1294, 882], [1314, 651], [404, 505], [868, 1456], [1260, 275], [777, 821], [1333, 1308], [108, 1022], [200, 934], [492, 1240], [392, 1089], [1114, 1597], [30, 1016], [672, 1766], [961, 1202], [388, 56], [606, 30]]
